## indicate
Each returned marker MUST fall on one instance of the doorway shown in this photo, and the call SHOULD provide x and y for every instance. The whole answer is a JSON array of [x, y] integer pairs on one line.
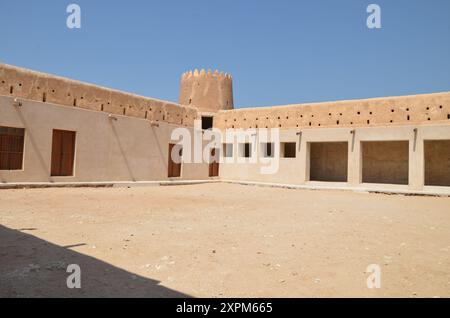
[[385, 162], [63, 153], [328, 161], [214, 164], [174, 166]]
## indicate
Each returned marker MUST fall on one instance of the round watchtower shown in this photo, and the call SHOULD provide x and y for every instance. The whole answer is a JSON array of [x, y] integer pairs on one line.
[[209, 91]]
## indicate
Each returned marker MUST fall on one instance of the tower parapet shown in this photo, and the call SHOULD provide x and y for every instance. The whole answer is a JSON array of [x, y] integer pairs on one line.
[[207, 90]]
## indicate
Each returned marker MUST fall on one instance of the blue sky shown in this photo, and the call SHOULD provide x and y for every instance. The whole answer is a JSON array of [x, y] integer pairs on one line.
[[279, 52]]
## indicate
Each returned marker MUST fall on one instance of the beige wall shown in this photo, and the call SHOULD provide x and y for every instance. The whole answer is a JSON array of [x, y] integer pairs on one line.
[[26, 84], [132, 149], [375, 112], [297, 170], [128, 149]]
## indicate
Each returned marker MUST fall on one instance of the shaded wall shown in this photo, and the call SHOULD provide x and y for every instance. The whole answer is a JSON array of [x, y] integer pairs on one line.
[[328, 161], [437, 162], [385, 162]]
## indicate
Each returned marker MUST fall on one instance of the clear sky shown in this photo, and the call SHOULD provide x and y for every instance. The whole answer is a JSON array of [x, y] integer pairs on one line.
[[278, 51]]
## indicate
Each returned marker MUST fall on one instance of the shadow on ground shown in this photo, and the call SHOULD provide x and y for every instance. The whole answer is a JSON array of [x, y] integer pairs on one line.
[[31, 267]]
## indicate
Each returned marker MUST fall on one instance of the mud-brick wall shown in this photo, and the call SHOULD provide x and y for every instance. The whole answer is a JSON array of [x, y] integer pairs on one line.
[[22, 83], [437, 162], [355, 113]]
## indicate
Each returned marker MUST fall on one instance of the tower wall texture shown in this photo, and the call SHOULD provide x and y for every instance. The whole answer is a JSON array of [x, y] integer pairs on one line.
[[207, 90]]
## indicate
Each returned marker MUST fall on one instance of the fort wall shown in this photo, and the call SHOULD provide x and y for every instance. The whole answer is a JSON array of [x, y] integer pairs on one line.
[[395, 143], [121, 148], [389, 111], [36, 86]]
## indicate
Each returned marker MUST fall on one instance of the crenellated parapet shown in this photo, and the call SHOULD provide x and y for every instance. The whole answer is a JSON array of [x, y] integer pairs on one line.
[[209, 91], [207, 74]]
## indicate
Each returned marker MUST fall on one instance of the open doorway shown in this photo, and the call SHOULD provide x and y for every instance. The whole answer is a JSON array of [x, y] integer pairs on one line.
[[437, 163], [385, 162], [328, 161]]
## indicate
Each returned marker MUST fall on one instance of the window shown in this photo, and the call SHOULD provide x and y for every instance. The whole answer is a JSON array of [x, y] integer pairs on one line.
[[11, 148], [207, 123], [288, 149], [267, 149], [63, 153], [245, 150], [228, 150]]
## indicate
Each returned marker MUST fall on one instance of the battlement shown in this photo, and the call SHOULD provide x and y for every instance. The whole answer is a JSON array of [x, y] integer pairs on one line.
[[209, 73], [42, 87]]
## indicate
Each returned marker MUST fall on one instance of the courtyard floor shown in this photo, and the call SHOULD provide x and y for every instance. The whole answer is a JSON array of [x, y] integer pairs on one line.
[[222, 240]]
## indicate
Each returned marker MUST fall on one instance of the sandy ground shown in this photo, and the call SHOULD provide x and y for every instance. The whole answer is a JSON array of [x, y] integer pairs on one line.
[[222, 240]]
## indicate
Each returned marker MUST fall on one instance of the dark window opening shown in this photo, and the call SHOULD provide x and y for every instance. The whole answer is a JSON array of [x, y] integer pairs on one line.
[[288, 150], [207, 122], [246, 150], [267, 149], [11, 148]]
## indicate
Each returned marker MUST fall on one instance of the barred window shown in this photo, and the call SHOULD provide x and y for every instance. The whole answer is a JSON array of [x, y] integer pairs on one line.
[[11, 148]]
